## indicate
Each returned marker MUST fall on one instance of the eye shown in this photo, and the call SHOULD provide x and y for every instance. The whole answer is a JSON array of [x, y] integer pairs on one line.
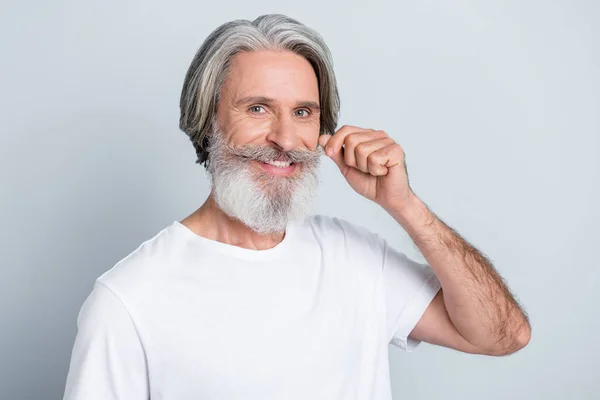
[[256, 109], [305, 111]]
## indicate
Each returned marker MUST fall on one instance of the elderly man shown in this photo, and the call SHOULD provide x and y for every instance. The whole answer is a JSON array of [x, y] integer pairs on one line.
[[250, 297]]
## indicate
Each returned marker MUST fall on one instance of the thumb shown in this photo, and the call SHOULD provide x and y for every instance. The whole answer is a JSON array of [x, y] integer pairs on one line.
[[337, 158], [323, 139]]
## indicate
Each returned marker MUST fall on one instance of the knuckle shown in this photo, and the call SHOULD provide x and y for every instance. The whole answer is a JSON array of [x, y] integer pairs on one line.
[[352, 139], [361, 148], [345, 128]]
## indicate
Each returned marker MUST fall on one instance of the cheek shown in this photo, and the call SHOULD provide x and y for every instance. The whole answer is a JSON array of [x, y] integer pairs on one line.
[[247, 130], [310, 135]]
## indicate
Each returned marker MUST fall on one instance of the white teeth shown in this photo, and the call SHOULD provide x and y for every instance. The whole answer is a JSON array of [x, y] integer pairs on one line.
[[279, 164]]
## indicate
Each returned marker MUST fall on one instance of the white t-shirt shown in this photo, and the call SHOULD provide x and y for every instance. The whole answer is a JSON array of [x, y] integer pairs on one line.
[[185, 317]]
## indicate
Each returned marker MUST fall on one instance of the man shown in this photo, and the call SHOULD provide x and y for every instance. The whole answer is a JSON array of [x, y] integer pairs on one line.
[[250, 298]]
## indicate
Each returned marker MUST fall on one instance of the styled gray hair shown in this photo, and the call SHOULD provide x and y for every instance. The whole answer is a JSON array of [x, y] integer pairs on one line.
[[209, 68]]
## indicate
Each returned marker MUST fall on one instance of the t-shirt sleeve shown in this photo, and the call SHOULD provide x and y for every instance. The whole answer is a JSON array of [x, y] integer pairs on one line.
[[108, 360], [409, 288]]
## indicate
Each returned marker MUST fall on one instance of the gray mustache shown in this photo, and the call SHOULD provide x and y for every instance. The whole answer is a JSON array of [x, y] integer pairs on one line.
[[266, 153]]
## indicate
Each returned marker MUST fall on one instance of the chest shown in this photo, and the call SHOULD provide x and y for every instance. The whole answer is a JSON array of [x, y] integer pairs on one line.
[[271, 330]]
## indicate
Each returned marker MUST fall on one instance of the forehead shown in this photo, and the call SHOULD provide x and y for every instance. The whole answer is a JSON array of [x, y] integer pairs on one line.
[[281, 75]]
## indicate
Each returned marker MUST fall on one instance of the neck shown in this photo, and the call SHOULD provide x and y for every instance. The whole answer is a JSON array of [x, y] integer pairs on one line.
[[212, 223]]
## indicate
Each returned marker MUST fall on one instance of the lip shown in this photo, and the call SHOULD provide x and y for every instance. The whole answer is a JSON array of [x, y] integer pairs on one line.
[[287, 171]]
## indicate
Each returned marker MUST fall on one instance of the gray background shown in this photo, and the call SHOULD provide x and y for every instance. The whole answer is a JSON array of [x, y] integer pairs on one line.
[[496, 105]]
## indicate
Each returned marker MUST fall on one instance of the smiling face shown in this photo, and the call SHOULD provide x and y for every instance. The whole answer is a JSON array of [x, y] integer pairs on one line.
[[263, 158], [270, 98]]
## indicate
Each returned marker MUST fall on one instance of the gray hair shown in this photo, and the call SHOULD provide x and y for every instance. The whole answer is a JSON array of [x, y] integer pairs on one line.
[[209, 68]]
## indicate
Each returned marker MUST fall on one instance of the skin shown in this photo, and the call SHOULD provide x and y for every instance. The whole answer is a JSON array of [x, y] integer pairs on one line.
[[474, 312], [289, 120]]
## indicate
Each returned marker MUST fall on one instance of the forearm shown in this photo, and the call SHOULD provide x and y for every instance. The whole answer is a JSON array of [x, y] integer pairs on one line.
[[478, 301]]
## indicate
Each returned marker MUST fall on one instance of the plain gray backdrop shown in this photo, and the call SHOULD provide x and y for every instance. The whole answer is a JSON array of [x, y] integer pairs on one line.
[[496, 105]]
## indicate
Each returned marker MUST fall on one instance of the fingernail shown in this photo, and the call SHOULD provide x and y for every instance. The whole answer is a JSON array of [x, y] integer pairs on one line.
[[330, 152]]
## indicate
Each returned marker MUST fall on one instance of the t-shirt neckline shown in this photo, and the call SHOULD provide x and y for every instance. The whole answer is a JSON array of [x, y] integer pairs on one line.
[[236, 251]]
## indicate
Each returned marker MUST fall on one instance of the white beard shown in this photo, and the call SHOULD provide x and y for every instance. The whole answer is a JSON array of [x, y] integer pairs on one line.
[[264, 202]]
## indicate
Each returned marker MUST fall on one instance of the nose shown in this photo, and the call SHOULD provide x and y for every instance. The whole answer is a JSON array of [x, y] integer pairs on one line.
[[283, 133]]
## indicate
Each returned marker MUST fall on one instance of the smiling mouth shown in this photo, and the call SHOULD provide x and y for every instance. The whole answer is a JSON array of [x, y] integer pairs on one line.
[[281, 168], [279, 164], [275, 163]]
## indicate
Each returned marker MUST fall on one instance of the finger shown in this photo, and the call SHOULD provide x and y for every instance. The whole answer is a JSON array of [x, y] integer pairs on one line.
[[364, 149], [356, 138], [335, 144], [324, 139], [338, 158], [379, 162]]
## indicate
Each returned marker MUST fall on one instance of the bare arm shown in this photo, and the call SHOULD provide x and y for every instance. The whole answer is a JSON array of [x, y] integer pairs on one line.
[[475, 311]]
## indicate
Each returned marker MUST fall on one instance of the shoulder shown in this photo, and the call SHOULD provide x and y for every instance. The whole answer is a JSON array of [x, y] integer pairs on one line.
[[145, 265], [342, 231], [102, 310]]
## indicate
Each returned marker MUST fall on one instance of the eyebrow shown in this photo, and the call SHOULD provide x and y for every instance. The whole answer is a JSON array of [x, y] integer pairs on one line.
[[269, 101]]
